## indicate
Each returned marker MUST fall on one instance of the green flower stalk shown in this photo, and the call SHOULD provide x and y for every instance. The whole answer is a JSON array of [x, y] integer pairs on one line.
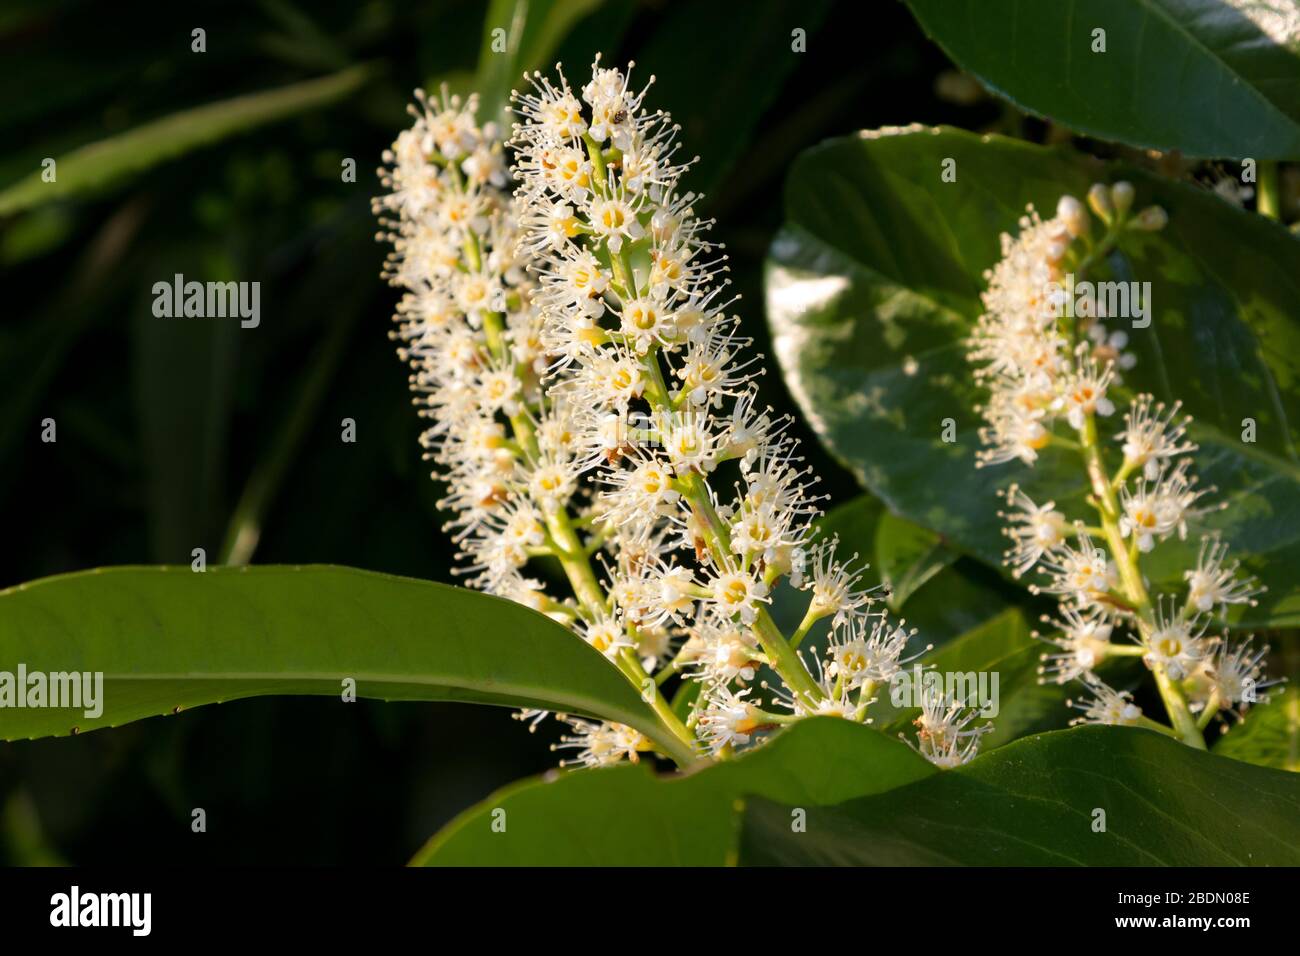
[[1050, 366], [593, 404]]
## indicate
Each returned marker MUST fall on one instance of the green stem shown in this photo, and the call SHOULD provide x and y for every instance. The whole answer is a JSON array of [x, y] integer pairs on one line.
[[1158, 727], [1125, 650], [1211, 708], [1134, 589], [591, 596], [574, 558], [571, 553], [600, 179], [779, 653], [631, 666], [810, 618], [1266, 191]]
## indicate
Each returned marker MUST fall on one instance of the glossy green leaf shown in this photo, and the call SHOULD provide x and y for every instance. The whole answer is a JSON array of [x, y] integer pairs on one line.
[[100, 164], [1039, 802], [1217, 78], [626, 816], [874, 282], [1270, 734], [168, 639], [908, 556]]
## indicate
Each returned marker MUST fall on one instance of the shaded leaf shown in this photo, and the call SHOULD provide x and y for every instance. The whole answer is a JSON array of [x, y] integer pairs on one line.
[[1216, 78], [625, 815], [1270, 734], [908, 556], [722, 112], [1036, 803], [100, 164], [169, 638]]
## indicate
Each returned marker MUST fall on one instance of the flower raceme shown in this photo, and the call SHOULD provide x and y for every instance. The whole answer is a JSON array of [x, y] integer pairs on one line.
[[592, 401], [1052, 378]]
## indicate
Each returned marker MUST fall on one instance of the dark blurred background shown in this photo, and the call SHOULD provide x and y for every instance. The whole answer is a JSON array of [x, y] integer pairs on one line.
[[171, 434]]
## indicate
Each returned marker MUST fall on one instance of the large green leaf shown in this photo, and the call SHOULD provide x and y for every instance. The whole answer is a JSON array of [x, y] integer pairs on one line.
[[908, 556], [1218, 78], [625, 815], [100, 164], [167, 639], [1270, 734], [874, 282], [1035, 803]]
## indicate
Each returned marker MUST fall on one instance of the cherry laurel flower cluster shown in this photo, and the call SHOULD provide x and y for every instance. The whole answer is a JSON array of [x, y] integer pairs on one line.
[[592, 402], [1051, 370]]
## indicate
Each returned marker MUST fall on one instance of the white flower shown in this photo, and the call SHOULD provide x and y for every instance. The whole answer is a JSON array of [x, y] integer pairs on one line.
[[1014, 431], [581, 381], [599, 744], [735, 592], [1083, 393], [1083, 640], [1144, 517], [1108, 348], [1210, 583], [944, 736], [1035, 530], [607, 635], [689, 443], [727, 719], [1151, 435], [835, 584], [1107, 706], [653, 645], [1238, 673], [642, 492], [870, 652], [1080, 571], [646, 321], [615, 219], [552, 483], [1176, 643], [1039, 368], [727, 652]]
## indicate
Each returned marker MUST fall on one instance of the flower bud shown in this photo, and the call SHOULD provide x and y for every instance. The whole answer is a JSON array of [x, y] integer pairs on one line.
[[1099, 200], [1072, 212], [1121, 194], [1151, 219]]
